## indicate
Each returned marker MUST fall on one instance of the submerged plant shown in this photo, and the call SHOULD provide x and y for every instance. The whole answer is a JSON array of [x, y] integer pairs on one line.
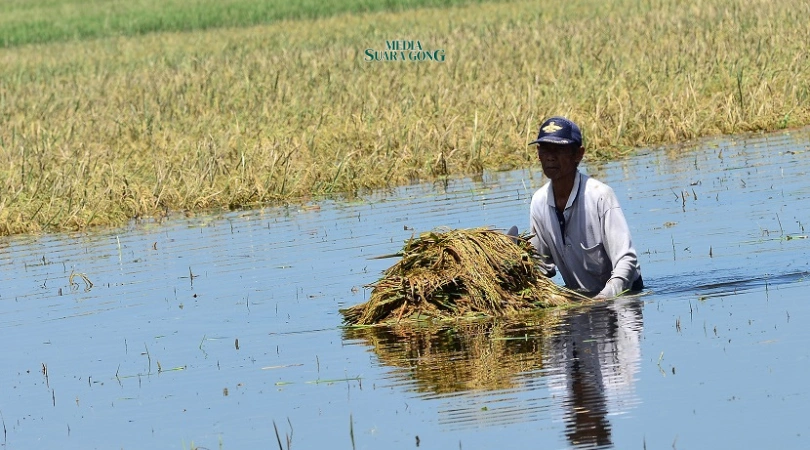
[[452, 273]]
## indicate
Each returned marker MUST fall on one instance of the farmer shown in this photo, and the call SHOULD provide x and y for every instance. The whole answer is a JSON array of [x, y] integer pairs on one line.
[[576, 221]]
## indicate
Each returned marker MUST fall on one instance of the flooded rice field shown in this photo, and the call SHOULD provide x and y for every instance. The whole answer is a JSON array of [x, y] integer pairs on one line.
[[223, 331]]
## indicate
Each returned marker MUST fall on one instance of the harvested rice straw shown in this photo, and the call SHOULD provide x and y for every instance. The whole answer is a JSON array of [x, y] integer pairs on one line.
[[451, 273]]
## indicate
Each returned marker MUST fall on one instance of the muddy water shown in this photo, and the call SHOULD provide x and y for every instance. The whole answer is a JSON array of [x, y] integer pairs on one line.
[[217, 331]]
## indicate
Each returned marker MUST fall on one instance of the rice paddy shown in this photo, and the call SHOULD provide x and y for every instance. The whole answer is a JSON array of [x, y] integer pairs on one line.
[[43, 21], [212, 328], [109, 127]]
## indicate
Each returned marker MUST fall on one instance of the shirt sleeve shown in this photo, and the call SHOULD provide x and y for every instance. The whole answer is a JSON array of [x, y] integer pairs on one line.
[[619, 247], [541, 248]]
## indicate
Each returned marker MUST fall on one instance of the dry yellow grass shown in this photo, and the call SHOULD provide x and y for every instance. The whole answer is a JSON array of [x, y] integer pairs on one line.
[[99, 132], [446, 274]]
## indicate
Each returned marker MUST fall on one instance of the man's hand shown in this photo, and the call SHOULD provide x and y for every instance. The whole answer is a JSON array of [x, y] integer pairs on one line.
[[513, 232], [613, 288], [548, 273]]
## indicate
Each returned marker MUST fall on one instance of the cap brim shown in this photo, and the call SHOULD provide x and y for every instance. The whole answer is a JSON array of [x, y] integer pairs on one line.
[[553, 140]]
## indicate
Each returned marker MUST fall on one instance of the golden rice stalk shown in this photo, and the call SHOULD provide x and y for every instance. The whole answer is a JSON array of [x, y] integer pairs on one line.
[[451, 273]]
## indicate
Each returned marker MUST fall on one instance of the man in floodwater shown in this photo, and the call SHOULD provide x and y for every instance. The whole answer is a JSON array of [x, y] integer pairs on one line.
[[576, 221]]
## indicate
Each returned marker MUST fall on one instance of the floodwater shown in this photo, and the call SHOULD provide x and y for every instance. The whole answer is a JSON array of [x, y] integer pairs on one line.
[[223, 331]]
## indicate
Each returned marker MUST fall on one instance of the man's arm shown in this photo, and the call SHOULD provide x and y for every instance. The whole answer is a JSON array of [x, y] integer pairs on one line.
[[619, 247], [542, 251]]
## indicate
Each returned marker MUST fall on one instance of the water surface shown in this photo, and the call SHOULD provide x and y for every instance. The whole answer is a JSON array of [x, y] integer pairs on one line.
[[216, 330]]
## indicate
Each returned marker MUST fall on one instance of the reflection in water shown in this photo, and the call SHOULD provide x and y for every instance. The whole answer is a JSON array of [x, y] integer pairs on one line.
[[587, 357], [595, 355], [475, 355]]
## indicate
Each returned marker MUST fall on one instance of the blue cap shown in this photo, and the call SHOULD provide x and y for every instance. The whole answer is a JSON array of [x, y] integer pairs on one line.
[[558, 130]]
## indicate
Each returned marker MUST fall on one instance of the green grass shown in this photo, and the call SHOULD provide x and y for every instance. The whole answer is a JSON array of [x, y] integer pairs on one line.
[[41, 21], [101, 131]]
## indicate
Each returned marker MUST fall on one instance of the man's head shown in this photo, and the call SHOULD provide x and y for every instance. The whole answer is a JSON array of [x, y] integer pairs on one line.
[[559, 147]]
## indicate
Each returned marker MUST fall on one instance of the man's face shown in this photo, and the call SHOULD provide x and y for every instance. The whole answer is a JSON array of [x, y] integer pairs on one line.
[[559, 161]]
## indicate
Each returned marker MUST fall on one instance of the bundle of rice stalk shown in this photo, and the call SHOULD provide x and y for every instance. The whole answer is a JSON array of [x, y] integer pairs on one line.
[[451, 273]]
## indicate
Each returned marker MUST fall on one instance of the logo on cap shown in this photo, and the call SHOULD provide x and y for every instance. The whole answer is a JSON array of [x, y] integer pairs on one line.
[[551, 127]]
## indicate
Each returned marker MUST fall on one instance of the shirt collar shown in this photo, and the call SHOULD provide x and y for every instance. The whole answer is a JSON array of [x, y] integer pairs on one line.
[[571, 197]]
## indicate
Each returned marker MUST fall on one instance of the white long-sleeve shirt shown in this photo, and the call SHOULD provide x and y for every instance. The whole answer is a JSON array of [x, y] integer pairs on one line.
[[594, 252]]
